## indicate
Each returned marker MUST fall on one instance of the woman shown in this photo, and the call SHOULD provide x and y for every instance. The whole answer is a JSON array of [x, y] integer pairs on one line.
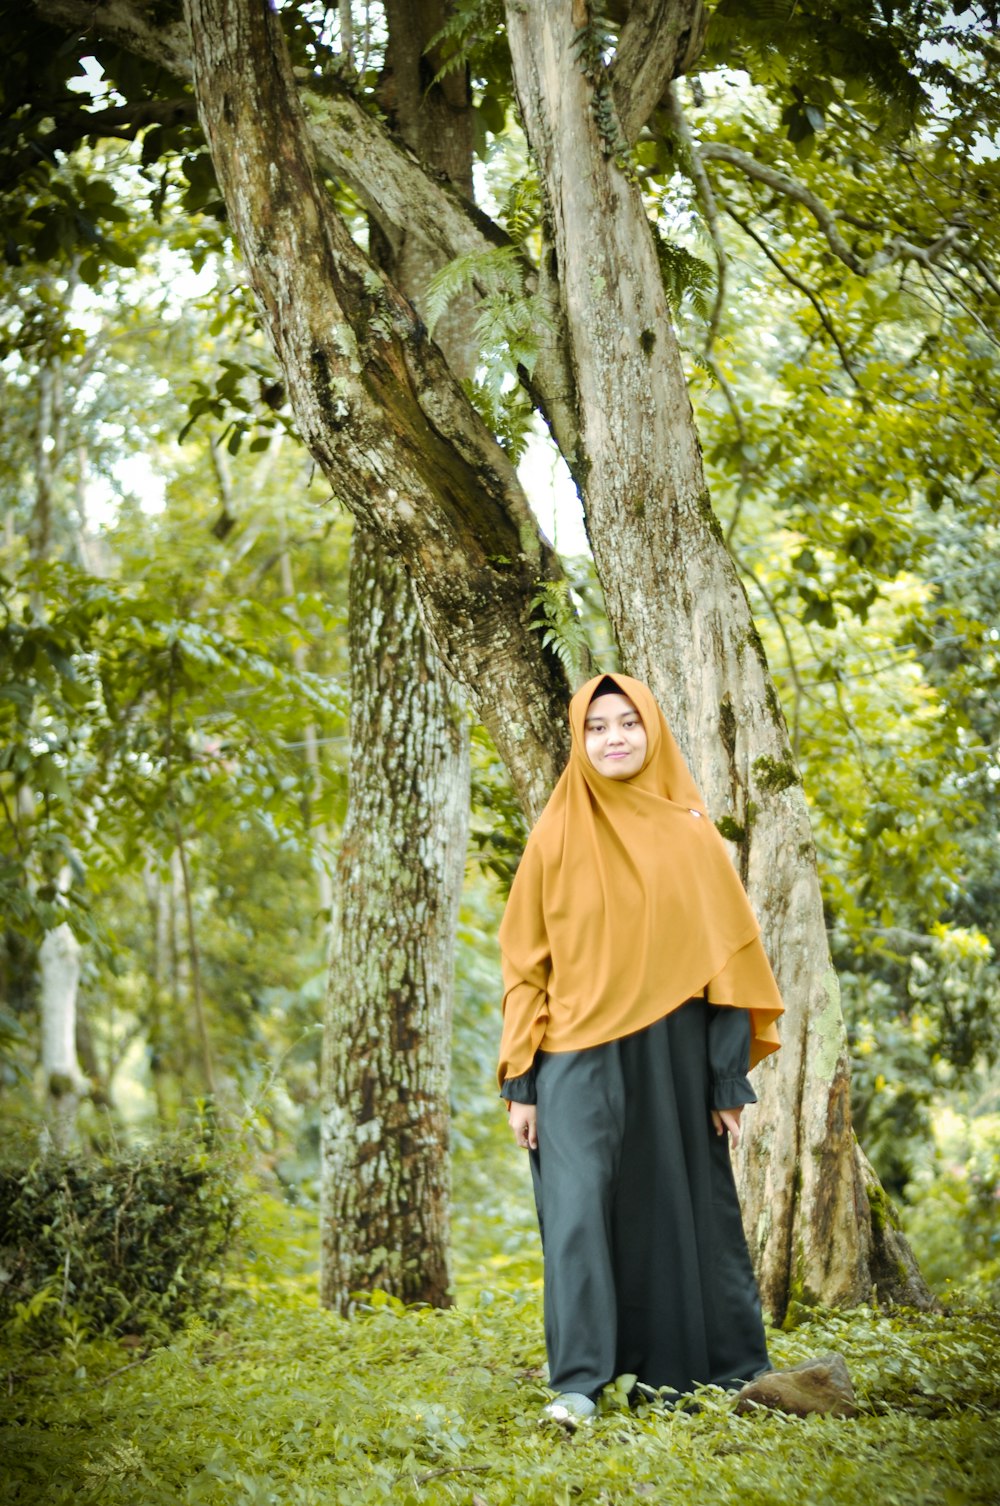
[[636, 998]]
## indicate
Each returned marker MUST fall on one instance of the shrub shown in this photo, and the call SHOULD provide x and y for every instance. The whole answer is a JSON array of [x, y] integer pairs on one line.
[[130, 1242]]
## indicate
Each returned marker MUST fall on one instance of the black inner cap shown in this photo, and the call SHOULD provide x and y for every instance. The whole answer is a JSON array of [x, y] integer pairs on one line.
[[606, 687]]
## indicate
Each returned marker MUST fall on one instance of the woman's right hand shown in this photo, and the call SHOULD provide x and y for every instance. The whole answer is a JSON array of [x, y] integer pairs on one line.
[[523, 1120]]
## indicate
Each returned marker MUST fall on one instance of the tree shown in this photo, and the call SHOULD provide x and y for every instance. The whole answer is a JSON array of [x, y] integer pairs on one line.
[[158, 702], [403, 448], [386, 1171]]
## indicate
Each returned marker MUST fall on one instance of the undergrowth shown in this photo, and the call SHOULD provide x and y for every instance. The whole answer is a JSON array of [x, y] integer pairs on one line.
[[284, 1404], [132, 1241]]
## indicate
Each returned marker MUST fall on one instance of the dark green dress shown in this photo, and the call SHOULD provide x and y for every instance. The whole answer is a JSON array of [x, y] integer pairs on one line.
[[646, 1265]]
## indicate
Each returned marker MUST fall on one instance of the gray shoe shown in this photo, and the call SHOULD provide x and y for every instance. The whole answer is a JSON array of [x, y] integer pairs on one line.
[[569, 1409]]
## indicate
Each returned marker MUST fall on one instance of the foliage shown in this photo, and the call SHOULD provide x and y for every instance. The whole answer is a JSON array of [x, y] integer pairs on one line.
[[558, 620], [952, 1213], [287, 1403], [159, 678], [685, 276], [129, 1242], [122, 711], [849, 420], [508, 328], [498, 829]]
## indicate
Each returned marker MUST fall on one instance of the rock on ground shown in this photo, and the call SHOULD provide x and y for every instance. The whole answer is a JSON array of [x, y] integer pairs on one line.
[[822, 1384]]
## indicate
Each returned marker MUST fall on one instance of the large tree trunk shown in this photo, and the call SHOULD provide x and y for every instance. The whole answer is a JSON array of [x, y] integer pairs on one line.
[[386, 1164], [388, 1024], [684, 625]]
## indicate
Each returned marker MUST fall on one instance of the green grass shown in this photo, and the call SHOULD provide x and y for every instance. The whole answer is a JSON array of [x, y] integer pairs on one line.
[[280, 1402]]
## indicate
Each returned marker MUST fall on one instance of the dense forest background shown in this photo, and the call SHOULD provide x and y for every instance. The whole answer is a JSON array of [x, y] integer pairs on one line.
[[182, 647], [175, 678]]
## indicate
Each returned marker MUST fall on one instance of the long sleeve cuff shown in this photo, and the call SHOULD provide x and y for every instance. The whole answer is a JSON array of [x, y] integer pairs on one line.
[[729, 1057], [732, 1092], [522, 1089]]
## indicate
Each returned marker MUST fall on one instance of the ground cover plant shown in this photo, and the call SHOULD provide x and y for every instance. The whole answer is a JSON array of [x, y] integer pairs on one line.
[[282, 1402]]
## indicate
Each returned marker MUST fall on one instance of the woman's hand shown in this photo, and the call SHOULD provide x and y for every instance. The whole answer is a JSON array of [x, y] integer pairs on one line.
[[727, 1119], [523, 1120]]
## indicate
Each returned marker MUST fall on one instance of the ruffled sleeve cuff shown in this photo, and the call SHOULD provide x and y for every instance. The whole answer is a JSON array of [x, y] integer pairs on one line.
[[522, 1089], [729, 1057], [732, 1092]]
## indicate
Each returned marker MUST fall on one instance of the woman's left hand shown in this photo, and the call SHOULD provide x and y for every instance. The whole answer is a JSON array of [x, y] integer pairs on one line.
[[727, 1119]]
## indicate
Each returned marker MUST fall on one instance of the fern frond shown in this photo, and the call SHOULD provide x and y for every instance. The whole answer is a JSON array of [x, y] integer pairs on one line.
[[559, 623], [684, 276], [470, 24], [505, 409], [496, 271], [509, 321], [521, 209]]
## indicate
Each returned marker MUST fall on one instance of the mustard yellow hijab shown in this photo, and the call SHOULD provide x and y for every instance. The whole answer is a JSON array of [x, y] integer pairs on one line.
[[624, 906]]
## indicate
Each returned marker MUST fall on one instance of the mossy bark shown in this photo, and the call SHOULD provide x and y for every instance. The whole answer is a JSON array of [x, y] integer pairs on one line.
[[387, 1041], [386, 1171]]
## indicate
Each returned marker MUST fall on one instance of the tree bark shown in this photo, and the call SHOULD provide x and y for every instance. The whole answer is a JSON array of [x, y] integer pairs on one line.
[[388, 1035], [684, 625], [375, 400], [386, 1179]]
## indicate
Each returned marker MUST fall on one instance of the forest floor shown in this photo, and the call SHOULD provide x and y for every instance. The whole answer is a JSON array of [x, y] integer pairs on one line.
[[279, 1403]]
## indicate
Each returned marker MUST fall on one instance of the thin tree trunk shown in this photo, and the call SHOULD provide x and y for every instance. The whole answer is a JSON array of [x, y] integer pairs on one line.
[[684, 625], [59, 952], [48, 453], [159, 900], [319, 832], [204, 1056], [59, 969]]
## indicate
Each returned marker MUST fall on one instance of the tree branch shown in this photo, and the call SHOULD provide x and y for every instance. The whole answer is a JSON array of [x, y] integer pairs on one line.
[[703, 187], [897, 248], [741, 432], [169, 46], [375, 400], [352, 145], [791, 188], [796, 282], [401, 193], [801, 693], [660, 40]]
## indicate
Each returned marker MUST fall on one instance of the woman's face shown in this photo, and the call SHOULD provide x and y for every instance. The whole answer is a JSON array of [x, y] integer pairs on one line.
[[614, 737]]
